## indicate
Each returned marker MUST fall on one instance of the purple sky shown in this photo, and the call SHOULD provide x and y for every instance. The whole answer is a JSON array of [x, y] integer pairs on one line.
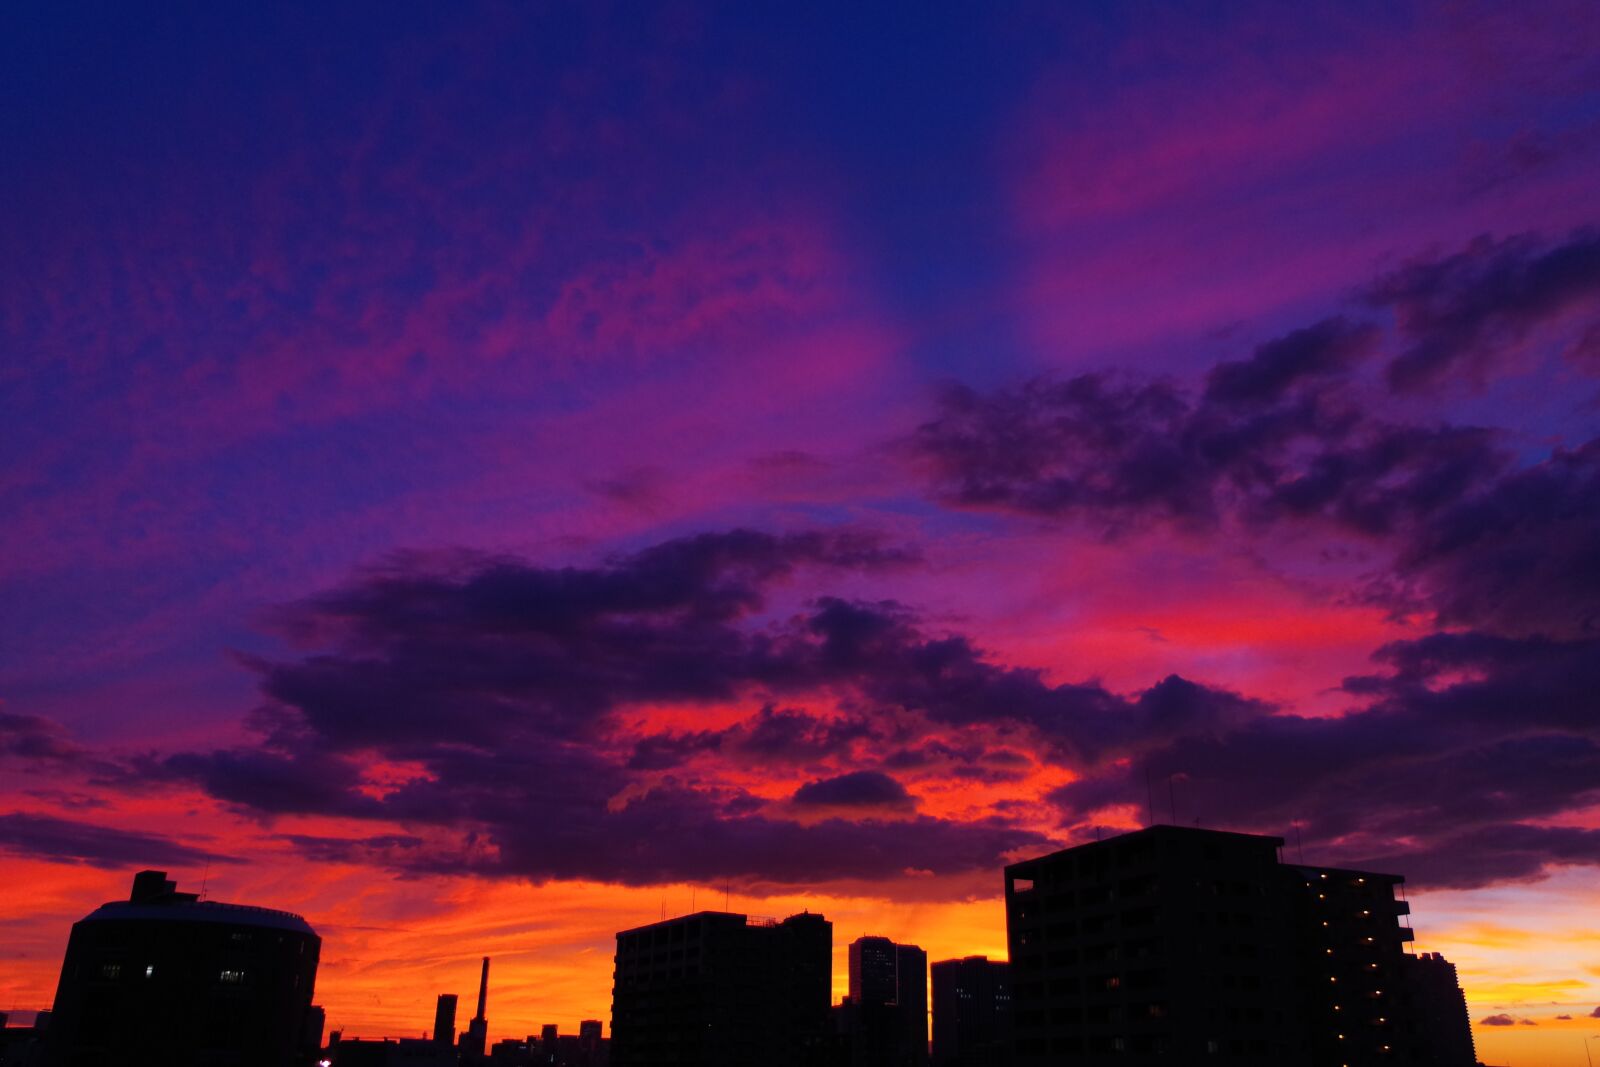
[[859, 444]]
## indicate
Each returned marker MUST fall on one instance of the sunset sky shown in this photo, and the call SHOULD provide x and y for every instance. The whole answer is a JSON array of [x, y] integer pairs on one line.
[[484, 476]]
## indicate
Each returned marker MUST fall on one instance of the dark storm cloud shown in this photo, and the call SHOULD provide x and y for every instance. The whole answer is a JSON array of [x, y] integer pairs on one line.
[[31, 737], [502, 680], [299, 780], [782, 735], [1523, 554], [858, 789], [1467, 743], [68, 840], [950, 681], [514, 727], [1481, 539], [1460, 311], [1272, 438], [565, 645], [1330, 347]]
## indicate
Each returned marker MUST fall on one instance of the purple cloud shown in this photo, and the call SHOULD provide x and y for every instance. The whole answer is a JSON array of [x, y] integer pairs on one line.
[[72, 841], [1462, 311], [858, 789]]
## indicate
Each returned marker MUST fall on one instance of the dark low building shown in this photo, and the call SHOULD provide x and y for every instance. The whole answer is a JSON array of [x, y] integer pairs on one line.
[[386, 1052], [715, 988], [165, 978], [972, 1013]]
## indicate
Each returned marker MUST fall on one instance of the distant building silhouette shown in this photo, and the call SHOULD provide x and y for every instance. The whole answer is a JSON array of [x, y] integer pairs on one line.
[[884, 1020], [590, 1040], [1181, 945], [1444, 1029], [715, 989], [477, 1035], [872, 970], [406, 1052], [22, 1046], [166, 978], [972, 1013], [444, 1020], [311, 1034]]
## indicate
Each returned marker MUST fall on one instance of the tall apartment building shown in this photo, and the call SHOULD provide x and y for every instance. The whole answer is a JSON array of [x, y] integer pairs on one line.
[[1444, 1029], [972, 1013], [1175, 945], [715, 988]]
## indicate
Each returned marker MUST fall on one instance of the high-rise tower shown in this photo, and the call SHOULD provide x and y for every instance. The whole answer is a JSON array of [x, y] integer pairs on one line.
[[473, 1045], [444, 1021]]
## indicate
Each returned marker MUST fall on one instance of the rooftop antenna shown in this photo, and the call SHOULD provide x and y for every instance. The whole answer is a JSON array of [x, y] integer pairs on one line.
[[727, 895], [1172, 799], [1299, 846], [205, 879], [692, 893], [1149, 799]]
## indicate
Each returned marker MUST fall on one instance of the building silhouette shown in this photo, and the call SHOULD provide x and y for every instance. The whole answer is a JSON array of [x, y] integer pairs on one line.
[[475, 1040], [1175, 945], [716, 989], [1352, 965], [972, 1013], [872, 970], [884, 1019], [387, 1052], [590, 1041], [444, 1020], [166, 978], [1444, 1029], [311, 1034], [22, 1046]]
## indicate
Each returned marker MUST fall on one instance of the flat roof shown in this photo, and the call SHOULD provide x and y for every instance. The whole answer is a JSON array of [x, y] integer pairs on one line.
[[201, 911], [1158, 830]]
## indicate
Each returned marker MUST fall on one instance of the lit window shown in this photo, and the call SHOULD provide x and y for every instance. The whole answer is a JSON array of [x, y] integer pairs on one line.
[[149, 969], [231, 977], [110, 970]]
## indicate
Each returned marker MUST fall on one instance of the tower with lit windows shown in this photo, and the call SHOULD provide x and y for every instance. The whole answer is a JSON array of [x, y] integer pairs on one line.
[[1181, 945]]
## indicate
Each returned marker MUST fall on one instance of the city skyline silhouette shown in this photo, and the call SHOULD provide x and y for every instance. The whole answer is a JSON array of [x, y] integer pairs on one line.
[[486, 477]]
